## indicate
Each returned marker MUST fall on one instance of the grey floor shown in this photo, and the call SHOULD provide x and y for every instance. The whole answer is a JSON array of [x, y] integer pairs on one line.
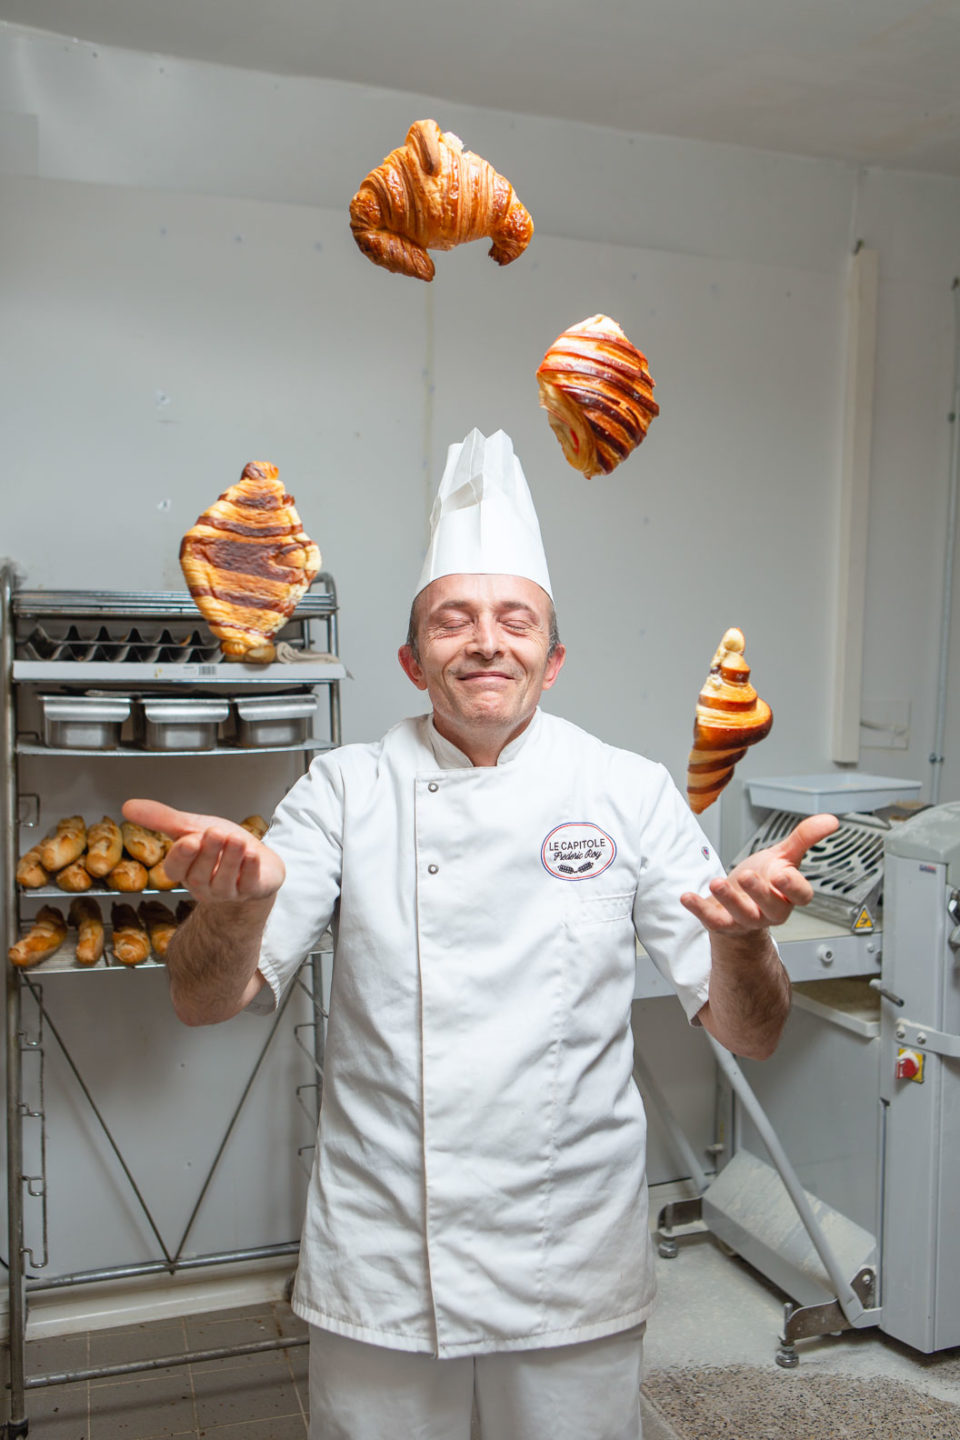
[[709, 1360]]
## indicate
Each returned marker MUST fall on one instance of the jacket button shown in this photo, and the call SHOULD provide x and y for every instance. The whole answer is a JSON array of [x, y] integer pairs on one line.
[[433, 787], [432, 869]]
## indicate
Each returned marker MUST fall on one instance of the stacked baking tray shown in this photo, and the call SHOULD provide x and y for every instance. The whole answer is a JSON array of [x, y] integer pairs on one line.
[[124, 672]]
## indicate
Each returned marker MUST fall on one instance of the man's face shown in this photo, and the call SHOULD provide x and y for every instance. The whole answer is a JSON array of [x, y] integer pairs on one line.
[[483, 643]]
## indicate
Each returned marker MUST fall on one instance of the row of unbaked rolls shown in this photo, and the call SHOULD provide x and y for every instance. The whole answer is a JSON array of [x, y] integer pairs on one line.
[[135, 933], [123, 857]]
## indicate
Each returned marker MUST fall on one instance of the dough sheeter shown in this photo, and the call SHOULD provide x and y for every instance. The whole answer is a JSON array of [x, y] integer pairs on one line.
[[839, 1178]]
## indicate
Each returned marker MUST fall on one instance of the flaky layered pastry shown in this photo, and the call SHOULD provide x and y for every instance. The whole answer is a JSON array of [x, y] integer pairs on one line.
[[598, 394], [431, 194], [730, 717], [247, 562]]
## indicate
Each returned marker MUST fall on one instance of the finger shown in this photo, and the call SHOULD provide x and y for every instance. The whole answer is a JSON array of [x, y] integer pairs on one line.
[[154, 815], [808, 833], [201, 872], [181, 856], [773, 904], [233, 853], [711, 914], [250, 882]]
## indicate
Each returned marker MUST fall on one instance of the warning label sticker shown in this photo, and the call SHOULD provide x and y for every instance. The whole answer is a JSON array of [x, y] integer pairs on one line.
[[864, 920]]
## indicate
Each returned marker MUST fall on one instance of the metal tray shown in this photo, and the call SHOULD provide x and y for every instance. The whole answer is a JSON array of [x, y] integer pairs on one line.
[[83, 722], [181, 723], [274, 719]]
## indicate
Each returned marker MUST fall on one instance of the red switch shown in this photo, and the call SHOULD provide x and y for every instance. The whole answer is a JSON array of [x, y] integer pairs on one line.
[[909, 1065]]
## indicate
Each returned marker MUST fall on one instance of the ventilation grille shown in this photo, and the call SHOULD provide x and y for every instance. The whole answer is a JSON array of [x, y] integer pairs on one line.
[[845, 870]]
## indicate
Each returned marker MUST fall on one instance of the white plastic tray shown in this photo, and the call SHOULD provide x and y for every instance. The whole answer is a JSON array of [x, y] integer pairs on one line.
[[836, 793]]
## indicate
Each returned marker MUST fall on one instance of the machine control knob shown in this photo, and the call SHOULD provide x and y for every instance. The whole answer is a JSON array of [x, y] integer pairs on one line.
[[909, 1065]]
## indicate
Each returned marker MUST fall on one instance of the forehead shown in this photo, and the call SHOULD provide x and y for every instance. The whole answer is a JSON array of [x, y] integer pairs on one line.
[[478, 592]]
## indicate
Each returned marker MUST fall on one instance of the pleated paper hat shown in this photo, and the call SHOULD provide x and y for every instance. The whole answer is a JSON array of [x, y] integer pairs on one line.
[[483, 521]]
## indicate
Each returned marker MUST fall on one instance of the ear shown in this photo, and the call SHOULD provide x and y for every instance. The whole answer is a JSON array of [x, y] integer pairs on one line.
[[554, 666], [410, 667]]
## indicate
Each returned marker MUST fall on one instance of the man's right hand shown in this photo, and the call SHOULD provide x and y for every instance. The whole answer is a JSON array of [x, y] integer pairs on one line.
[[214, 859]]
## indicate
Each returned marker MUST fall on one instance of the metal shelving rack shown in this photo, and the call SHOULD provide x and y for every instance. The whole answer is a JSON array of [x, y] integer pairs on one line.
[[140, 642]]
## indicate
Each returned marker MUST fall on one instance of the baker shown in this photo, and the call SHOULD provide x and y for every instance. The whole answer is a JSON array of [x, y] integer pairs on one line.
[[477, 1219]]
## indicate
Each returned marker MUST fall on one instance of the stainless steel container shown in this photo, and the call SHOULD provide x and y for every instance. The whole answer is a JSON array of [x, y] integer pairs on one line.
[[274, 719], [83, 722], [179, 723]]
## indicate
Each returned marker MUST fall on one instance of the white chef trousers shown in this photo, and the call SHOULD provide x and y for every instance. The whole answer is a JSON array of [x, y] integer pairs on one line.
[[588, 1391]]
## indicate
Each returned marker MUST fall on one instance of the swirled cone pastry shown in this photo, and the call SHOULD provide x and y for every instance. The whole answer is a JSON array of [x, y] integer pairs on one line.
[[598, 394], [730, 716], [247, 563], [431, 194]]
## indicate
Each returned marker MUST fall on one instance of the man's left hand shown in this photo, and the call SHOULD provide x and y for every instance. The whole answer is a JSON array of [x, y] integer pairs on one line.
[[764, 888]]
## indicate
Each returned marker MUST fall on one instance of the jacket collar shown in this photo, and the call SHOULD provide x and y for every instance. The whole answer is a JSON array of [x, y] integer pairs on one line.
[[449, 757]]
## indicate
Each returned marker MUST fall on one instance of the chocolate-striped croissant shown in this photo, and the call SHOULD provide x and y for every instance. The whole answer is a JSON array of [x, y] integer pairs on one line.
[[431, 194], [247, 563], [598, 394], [730, 716]]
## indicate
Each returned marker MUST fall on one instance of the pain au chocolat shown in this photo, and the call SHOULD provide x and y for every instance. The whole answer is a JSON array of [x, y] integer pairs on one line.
[[598, 394], [431, 194], [730, 716], [247, 562]]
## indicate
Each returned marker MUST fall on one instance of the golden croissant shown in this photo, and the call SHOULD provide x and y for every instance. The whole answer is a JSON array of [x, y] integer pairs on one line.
[[730, 716], [247, 562], [431, 194], [598, 394]]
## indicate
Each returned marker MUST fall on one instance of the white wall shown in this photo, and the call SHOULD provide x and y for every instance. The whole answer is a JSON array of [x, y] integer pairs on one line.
[[180, 293]]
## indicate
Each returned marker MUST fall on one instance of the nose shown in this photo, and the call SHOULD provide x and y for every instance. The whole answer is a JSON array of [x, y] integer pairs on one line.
[[485, 640]]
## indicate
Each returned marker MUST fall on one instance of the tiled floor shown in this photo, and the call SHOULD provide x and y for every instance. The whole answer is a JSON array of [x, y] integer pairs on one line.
[[709, 1362], [246, 1397]]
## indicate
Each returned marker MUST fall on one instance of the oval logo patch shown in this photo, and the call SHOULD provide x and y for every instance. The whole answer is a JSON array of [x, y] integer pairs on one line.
[[577, 850]]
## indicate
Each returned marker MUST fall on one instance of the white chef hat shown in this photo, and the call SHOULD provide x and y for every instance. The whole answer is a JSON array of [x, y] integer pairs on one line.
[[483, 521]]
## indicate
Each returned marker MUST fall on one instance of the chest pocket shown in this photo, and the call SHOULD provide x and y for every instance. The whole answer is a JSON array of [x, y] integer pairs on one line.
[[588, 910]]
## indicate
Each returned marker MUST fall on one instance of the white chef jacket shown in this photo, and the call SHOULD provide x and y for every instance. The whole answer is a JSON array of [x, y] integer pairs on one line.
[[479, 1177]]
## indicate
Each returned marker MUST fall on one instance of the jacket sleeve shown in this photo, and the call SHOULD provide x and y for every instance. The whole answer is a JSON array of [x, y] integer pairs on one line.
[[307, 833], [676, 857]]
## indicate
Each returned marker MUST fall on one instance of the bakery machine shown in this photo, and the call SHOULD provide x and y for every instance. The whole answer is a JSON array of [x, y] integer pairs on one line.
[[842, 1160]]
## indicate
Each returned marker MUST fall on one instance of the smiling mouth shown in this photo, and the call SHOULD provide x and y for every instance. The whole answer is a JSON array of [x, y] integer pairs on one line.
[[474, 675]]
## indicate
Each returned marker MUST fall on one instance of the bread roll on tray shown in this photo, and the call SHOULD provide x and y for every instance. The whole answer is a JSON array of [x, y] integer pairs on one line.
[[30, 872], [147, 846], [85, 915], [104, 847], [74, 878], [257, 826], [65, 845], [160, 922], [43, 939], [129, 875], [130, 944]]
